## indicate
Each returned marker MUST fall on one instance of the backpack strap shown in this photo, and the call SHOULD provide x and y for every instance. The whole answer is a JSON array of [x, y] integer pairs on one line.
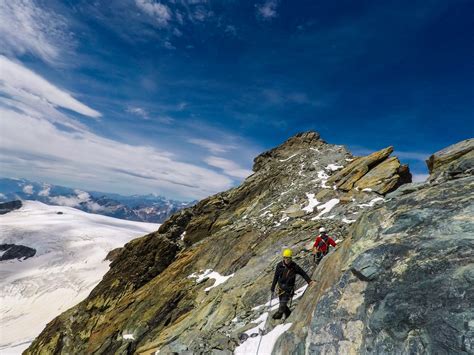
[[322, 242]]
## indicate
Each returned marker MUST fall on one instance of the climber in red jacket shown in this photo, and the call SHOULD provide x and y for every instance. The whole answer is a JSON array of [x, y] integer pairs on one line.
[[321, 245]]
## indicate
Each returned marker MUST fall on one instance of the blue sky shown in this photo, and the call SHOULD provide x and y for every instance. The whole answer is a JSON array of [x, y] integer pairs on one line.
[[178, 97]]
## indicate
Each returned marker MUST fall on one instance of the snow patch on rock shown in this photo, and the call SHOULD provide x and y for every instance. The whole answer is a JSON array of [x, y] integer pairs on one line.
[[312, 203], [209, 274], [267, 342], [325, 208], [334, 167], [371, 203]]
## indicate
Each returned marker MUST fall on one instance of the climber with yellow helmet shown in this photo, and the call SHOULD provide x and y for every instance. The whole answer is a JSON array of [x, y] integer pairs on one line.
[[284, 280]]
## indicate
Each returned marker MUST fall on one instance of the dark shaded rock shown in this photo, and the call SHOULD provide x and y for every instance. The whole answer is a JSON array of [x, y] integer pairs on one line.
[[6, 207], [113, 254], [451, 162], [13, 251]]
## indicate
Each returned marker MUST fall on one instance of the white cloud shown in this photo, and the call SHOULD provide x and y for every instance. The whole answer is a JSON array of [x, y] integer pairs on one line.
[[30, 93], [2, 196], [160, 12], [141, 112], [27, 28], [28, 189], [228, 167], [267, 10], [214, 148], [88, 159], [34, 145], [138, 111], [168, 45], [45, 192], [81, 198]]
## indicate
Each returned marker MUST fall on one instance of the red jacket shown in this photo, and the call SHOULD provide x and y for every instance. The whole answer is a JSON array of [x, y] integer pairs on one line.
[[321, 244]]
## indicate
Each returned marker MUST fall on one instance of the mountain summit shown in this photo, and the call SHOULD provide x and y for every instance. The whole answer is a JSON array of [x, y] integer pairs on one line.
[[401, 280]]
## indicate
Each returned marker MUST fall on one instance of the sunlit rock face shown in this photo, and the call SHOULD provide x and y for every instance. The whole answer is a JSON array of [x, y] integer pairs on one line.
[[405, 275], [201, 283]]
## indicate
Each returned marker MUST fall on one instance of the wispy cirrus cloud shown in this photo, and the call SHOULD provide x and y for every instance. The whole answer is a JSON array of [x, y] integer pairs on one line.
[[213, 147], [144, 114], [25, 27], [138, 111], [160, 13], [34, 143], [30, 93], [267, 10], [229, 167]]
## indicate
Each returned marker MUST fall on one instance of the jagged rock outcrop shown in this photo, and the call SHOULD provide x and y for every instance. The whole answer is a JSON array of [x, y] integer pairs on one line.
[[195, 284], [377, 172], [403, 280], [454, 161], [6, 207]]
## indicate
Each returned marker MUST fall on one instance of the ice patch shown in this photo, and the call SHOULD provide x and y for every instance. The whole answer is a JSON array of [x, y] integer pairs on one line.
[[312, 203], [267, 342], [367, 190], [348, 221], [219, 279], [334, 167], [371, 203], [273, 303], [260, 321], [282, 160], [323, 177], [299, 292], [183, 235], [128, 337], [325, 208]]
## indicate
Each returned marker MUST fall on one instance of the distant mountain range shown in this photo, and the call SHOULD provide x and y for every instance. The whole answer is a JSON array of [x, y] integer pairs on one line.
[[145, 208]]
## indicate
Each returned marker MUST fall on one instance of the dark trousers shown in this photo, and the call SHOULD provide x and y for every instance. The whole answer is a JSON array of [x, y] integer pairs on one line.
[[319, 256], [283, 309]]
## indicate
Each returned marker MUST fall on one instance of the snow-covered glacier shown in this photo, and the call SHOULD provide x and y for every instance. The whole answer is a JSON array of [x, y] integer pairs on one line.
[[71, 246]]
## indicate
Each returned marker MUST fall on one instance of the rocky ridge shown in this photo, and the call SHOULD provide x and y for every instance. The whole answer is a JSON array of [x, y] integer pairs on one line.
[[159, 293]]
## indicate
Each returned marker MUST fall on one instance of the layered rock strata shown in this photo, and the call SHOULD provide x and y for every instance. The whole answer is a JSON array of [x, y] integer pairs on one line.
[[197, 283]]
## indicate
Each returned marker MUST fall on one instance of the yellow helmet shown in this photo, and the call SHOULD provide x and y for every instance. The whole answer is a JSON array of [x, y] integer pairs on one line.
[[287, 253]]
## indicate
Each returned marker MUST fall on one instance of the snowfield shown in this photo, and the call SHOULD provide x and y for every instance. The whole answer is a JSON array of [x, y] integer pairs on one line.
[[69, 262]]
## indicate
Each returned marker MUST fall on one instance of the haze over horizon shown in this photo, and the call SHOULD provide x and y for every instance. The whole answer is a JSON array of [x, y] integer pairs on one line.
[[177, 97]]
